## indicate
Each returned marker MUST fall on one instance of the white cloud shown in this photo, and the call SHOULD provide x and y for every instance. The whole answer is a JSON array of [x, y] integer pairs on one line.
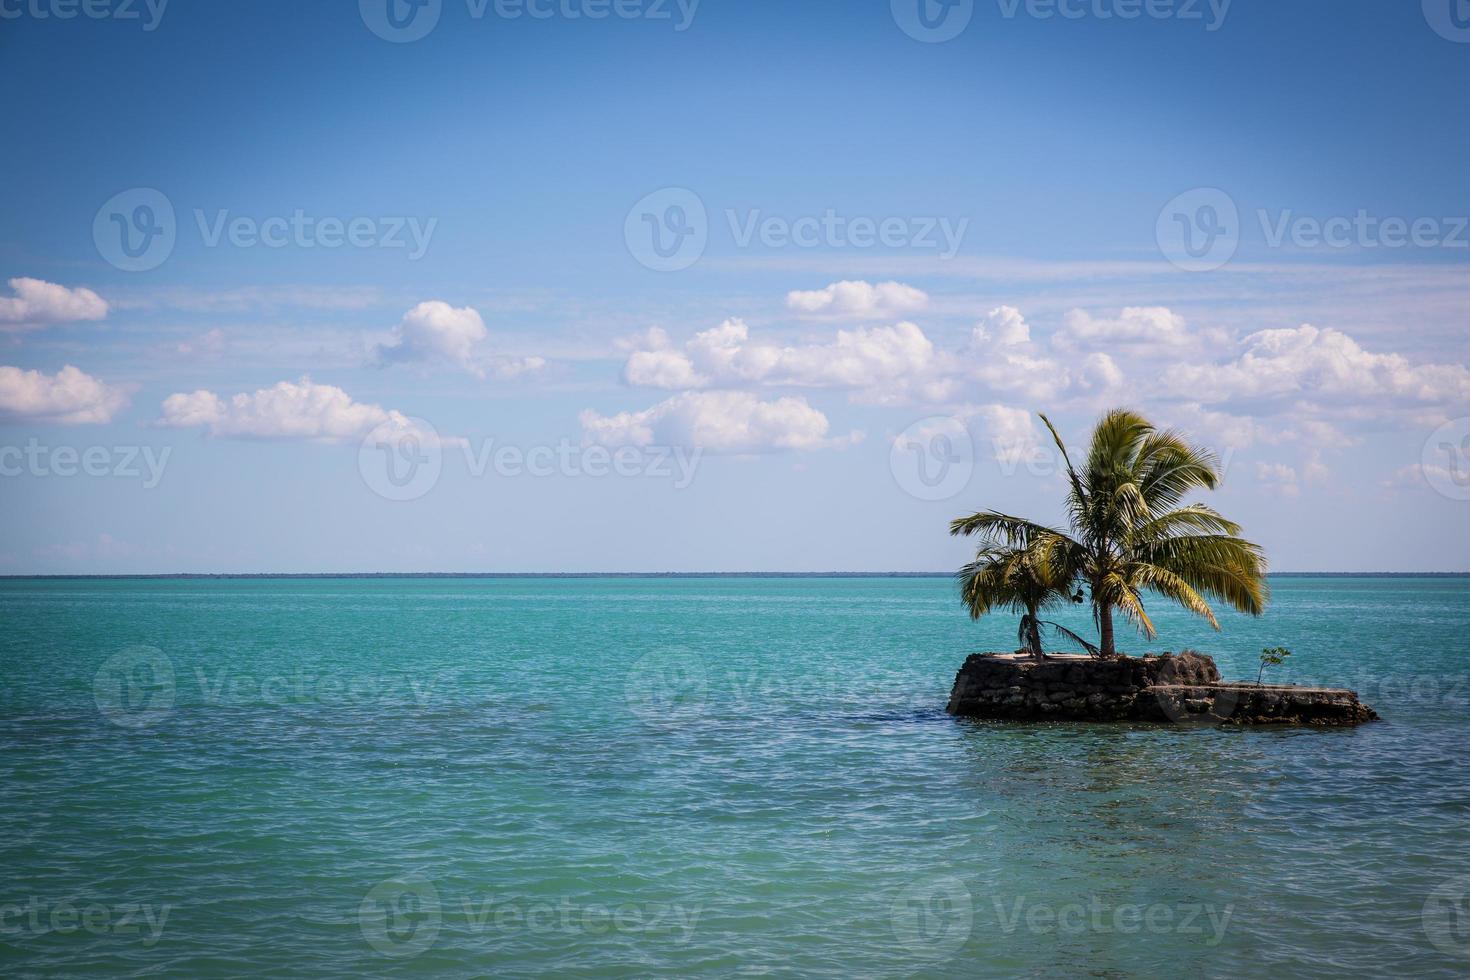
[[1010, 432], [1304, 386], [1314, 470], [434, 331], [1278, 478], [69, 396], [1216, 428], [37, 303], [1150, 326], [1002, 357], [1002, 327], [210, 344], [655, 364], [1320, 364], [717, 421], [1420, 476], [507, 368], [300, 410], [859, 299], [884, 359]]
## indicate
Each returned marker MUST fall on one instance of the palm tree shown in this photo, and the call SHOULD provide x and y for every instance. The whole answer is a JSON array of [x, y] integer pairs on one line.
[[1130, 533], [1019, 580]]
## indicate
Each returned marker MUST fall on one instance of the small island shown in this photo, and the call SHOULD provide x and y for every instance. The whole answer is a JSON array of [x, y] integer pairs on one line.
[[1131, 537]]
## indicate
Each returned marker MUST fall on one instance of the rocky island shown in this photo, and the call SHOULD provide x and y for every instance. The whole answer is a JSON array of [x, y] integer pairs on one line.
[[1182, 688]]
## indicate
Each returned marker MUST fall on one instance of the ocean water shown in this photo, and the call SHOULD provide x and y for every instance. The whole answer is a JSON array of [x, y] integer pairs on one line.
[[672, 777]]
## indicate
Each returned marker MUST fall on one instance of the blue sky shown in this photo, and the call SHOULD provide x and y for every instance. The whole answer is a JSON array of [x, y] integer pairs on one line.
[[405, 320]]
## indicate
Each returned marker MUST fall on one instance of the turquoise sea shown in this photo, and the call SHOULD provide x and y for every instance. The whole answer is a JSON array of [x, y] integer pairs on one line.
[[631, 777]]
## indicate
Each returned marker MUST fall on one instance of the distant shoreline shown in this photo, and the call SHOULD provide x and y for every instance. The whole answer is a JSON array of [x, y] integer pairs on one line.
[[584, 575]]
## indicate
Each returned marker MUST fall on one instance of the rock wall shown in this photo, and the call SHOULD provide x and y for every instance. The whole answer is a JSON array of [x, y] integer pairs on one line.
[[1183, 688]]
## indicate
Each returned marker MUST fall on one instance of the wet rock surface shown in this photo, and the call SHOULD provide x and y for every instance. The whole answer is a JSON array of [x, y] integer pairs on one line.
[[1181, 688]]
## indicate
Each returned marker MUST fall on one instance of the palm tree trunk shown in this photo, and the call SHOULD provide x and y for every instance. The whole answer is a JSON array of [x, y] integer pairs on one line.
[[1106, 648], [1034, 636]]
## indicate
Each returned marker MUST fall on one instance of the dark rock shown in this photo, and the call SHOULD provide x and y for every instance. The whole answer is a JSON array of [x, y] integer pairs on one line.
[[1183, 688]]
